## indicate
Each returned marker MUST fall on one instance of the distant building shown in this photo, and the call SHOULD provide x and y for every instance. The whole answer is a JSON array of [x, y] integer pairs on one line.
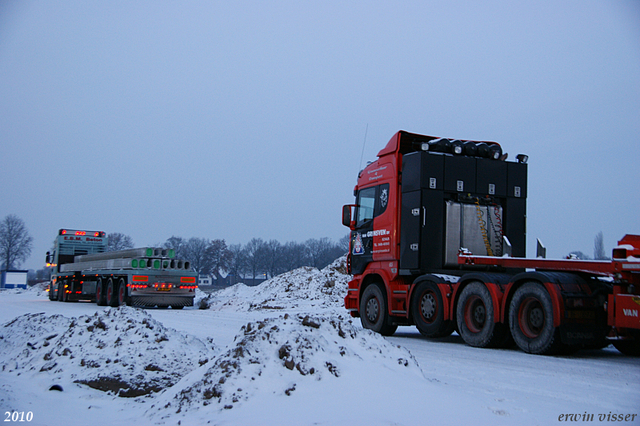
[[204, 280], [13, 278]]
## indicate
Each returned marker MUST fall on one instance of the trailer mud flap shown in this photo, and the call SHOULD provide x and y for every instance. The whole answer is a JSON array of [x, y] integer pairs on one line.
[[624, 311]]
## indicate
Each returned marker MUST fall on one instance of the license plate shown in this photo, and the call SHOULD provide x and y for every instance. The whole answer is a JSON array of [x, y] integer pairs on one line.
[[164, 289]]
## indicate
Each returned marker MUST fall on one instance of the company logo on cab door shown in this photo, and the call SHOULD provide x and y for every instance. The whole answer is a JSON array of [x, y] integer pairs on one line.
[[358, 247], [377, 233]]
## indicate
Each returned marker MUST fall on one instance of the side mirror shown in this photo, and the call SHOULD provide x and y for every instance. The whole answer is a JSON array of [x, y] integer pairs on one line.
[[47, 258], [346, 215]]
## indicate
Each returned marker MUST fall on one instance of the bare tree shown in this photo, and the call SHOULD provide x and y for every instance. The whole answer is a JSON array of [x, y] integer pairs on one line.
[[322, 251], [294, 255], [237, 263], [219, 256], [117, 241], [343, 242], [15, 242], [178, 244], [196, 252], [598, 247], [254, 255]]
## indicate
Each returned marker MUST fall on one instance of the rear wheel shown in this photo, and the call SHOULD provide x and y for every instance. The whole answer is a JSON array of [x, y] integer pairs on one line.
[[112, 295], [122, 292], [427, 311], [531, 320], [373, 311], [66, 288], [475, 317], [101, 293], [61, 290]]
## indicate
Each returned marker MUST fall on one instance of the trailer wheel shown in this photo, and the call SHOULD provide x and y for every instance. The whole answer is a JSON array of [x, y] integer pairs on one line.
[[531, 320], [373, 311], [474, 314], [112, 293], [122, 292], [101, 294], [427, 311]]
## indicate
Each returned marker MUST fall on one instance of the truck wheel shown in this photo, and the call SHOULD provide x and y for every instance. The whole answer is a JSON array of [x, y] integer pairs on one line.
[[66, 287], [629, 347], [373, 311], [101, 293], [112, 293], [122, 292], [51, 296], [531, 320], [427, 311], [60, 293], [475, 313]]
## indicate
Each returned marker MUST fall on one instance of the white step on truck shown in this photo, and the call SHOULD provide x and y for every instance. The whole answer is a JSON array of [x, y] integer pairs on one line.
[[149, 276]]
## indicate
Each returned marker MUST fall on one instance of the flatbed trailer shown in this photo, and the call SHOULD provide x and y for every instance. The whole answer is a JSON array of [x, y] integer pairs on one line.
[[83, 270]]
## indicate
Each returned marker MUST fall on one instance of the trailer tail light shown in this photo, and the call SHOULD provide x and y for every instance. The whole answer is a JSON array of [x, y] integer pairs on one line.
[[163, 286], [137, 286], [191, 280], [140, 278], [188, 287]]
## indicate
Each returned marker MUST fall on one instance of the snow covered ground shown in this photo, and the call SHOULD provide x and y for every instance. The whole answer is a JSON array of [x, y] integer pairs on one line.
[[283, 353]]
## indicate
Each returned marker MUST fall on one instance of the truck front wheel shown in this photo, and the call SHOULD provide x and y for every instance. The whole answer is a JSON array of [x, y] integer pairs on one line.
[[427, 311], [531, 320], [475, 317], [373, 311]]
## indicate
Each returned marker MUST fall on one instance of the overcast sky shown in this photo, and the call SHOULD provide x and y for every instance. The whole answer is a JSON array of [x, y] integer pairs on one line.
[[242, 119]]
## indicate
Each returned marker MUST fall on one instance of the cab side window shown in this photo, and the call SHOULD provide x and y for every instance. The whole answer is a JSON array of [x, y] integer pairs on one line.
[[366, 205], [372, 202]]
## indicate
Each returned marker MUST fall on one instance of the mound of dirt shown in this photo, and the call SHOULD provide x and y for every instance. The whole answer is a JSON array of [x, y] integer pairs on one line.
[[300, 289], [122, 350], [281, 355]]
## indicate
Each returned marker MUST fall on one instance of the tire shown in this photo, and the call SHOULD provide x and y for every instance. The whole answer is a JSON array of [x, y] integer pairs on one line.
[[373, 311], [628, 347], [531, 321], [112, 293], [427, 311], [101, 293], [51, 292], [121, 292], [65, 291], [60, 294], [474, 315]]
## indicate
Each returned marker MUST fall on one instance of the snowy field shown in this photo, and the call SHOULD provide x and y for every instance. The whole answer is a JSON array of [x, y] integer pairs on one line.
[[283, 353]]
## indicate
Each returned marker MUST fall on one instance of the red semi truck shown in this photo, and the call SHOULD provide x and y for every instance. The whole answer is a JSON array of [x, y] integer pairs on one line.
[[438, 235]]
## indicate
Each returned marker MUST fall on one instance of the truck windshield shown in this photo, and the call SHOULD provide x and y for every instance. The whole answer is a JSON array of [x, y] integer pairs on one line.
[[366, 203]]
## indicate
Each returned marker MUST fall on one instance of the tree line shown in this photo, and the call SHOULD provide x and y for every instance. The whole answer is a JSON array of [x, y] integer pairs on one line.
[[254, 260]]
